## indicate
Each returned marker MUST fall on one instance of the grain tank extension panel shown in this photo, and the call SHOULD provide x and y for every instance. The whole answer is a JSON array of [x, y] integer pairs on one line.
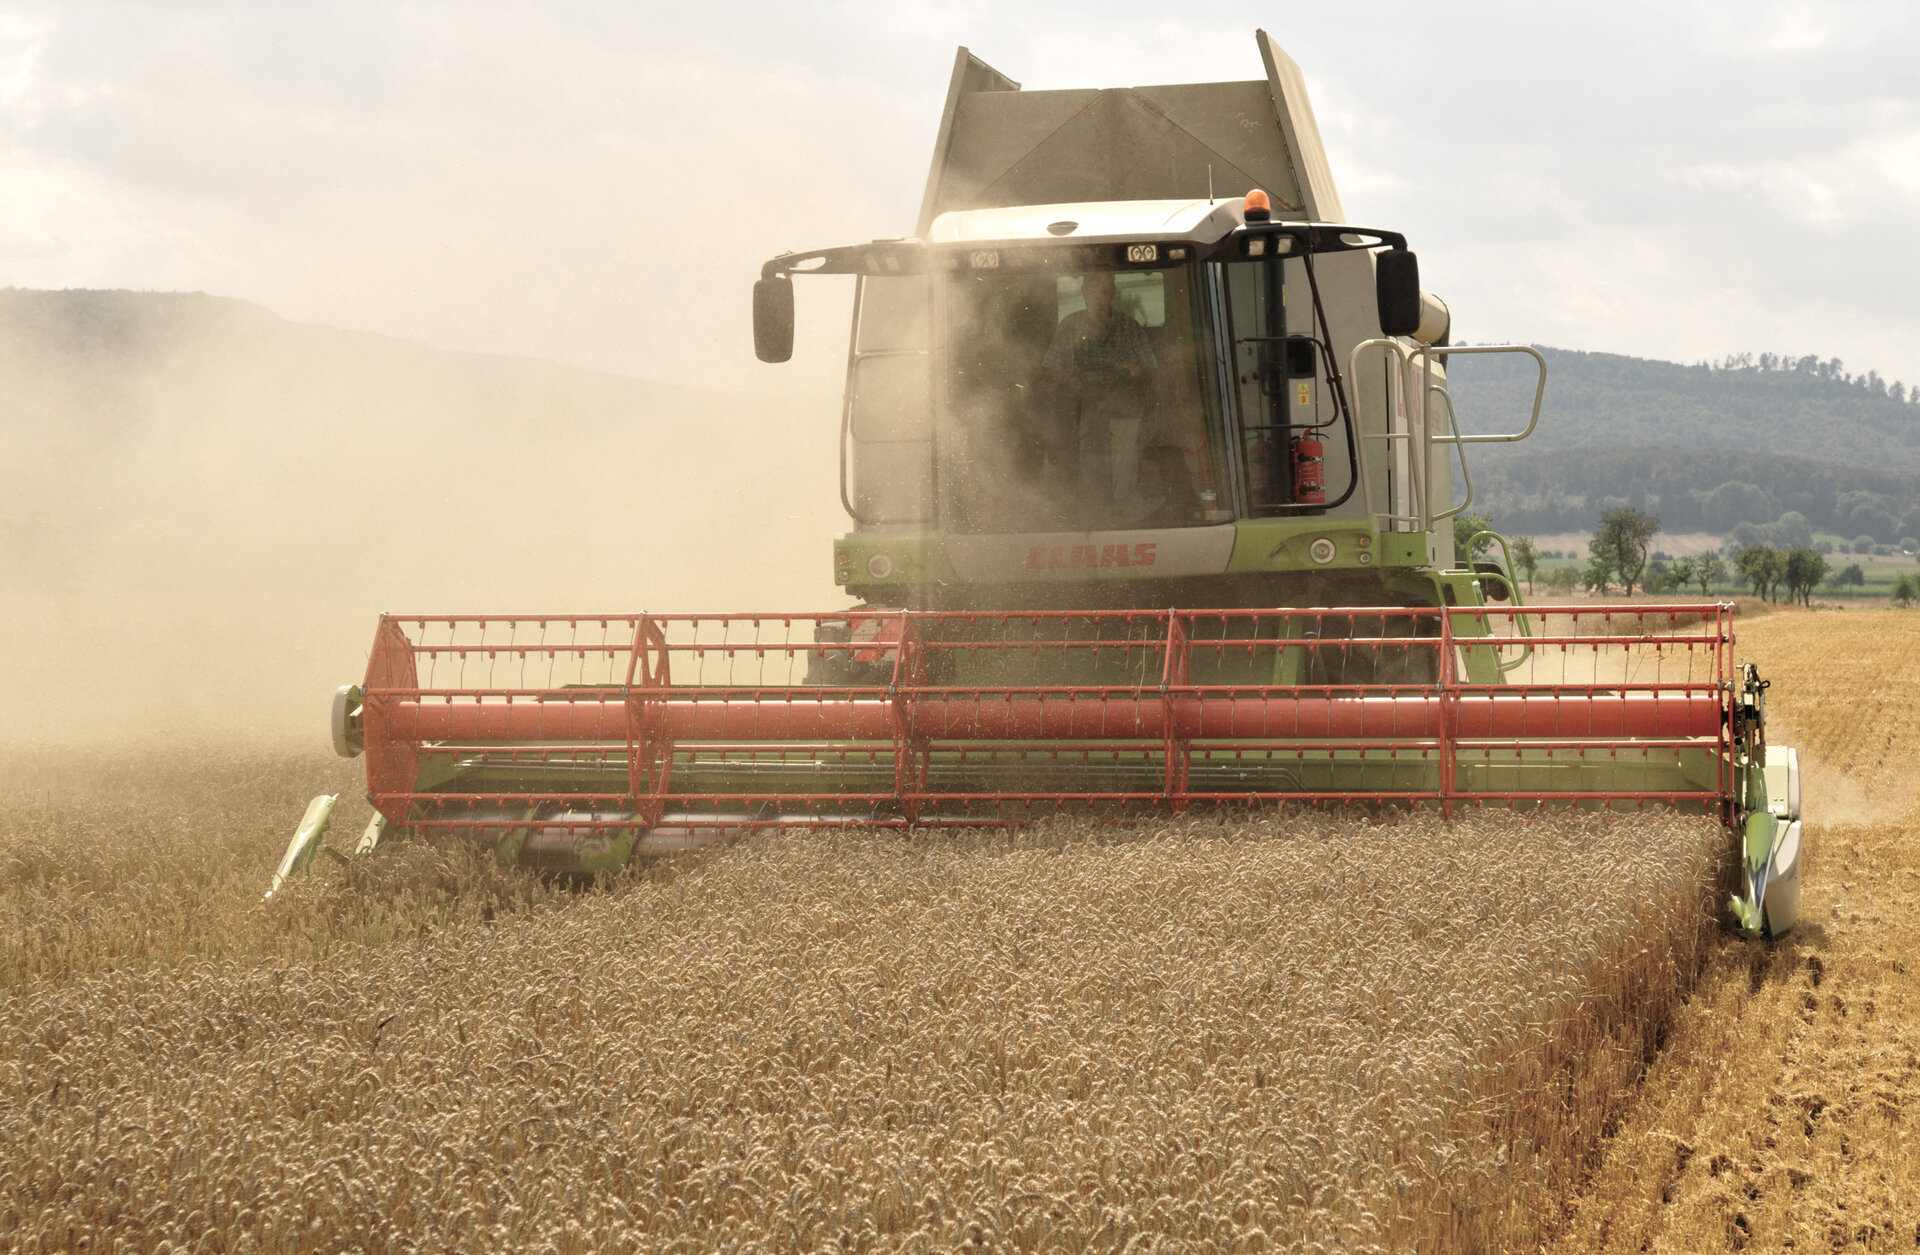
[[1001, 146]]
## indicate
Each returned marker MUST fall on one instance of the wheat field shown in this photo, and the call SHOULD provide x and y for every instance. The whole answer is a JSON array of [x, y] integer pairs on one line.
[[1279, 1032]]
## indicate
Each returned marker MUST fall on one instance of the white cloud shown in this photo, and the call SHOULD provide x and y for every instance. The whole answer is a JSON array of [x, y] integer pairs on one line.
[[1894, 156], [1798, 29], [1771, 30], [23, 39], [1872, 176]]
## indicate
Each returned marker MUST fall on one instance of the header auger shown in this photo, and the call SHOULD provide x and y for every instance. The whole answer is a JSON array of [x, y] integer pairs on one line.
[[1131, 359]]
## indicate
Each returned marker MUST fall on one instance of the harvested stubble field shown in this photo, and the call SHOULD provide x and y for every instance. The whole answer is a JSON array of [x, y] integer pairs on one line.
[[1304, 1032], [1778, 1116]]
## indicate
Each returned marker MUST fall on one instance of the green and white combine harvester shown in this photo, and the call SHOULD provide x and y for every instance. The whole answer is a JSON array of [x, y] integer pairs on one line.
[[1152, 470]]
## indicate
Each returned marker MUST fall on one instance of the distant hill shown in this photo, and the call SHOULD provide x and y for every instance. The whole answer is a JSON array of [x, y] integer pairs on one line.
[[1705, 447], [207, 506]]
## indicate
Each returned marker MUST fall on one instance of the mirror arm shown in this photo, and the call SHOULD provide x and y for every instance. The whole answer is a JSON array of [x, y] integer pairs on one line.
[[882, 257]]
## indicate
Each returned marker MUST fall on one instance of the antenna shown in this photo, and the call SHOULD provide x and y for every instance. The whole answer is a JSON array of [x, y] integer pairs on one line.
[[1209, 183]]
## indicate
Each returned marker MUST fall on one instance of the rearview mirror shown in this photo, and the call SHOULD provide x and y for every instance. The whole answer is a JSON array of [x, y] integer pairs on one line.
[[1396, 286], [773, 318]]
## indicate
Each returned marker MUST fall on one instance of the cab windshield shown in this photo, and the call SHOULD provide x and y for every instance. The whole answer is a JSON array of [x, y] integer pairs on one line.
[[1079, 401]]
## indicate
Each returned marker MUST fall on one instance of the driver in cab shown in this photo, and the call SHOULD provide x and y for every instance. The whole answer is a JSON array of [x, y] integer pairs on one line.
[[1095, 384]]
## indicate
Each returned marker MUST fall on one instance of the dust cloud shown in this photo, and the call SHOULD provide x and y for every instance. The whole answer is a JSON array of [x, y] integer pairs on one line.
[[207, 506]]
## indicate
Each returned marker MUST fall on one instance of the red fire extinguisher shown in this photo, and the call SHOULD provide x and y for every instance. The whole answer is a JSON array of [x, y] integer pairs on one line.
[[1309, 470]]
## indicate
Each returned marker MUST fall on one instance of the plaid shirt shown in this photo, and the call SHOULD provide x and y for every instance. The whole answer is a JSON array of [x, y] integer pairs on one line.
[[1074, 351]]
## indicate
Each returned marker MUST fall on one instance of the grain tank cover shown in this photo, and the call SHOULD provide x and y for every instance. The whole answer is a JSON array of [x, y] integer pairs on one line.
[[1000, 146]]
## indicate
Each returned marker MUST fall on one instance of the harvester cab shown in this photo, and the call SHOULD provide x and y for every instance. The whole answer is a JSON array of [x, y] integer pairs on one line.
[[1132, 360]]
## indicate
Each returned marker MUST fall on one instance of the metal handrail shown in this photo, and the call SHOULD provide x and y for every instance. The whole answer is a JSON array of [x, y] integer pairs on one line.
[[1424, 357], [1442, 352], [1453, 421], [1521, 622]]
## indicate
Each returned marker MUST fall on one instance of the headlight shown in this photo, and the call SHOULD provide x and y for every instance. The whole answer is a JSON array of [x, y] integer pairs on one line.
[[879, 566], [1321, 550]]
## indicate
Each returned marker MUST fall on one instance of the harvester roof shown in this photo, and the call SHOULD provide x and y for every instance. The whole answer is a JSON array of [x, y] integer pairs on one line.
[[1200, 221]]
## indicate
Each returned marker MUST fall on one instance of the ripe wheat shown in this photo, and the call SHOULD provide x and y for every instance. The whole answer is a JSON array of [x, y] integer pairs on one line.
[[1297, 1031]]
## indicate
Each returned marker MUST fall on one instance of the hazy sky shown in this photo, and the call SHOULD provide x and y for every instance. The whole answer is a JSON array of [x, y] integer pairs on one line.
[[598, 182]]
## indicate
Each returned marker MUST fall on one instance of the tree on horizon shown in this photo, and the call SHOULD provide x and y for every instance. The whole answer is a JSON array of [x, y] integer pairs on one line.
[[1624, 538]]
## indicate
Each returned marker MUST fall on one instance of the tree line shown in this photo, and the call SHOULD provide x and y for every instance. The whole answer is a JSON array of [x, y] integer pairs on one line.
[[1811, 366], [1697, 490], [1620, 552]]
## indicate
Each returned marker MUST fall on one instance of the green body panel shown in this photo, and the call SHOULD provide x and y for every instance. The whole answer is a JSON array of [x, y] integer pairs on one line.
[[918, 561], [1281, 545], [1756, 850], [1762, 828]]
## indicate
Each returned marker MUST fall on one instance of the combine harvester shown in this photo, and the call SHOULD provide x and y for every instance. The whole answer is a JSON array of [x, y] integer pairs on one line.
[[1132, 358]]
